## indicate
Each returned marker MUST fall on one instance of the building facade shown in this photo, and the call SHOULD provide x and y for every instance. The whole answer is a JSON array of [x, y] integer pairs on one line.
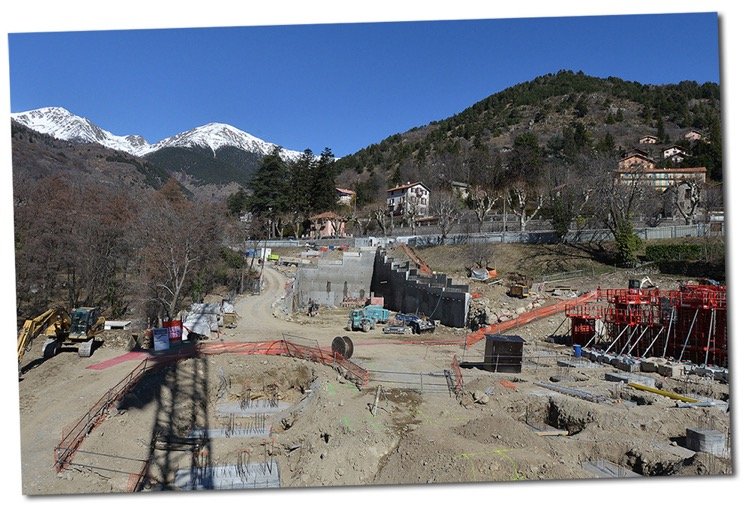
[[411, 196], [661, 178], [346, 196]]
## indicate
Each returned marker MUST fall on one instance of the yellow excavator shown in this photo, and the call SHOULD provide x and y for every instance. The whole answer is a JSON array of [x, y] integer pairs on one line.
[[59, 328]]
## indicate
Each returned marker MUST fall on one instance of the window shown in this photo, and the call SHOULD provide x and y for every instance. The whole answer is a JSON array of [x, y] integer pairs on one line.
[[328, 286]]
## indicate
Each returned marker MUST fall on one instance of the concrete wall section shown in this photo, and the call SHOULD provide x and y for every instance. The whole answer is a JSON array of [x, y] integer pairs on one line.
[[405, 291], [328, 283]]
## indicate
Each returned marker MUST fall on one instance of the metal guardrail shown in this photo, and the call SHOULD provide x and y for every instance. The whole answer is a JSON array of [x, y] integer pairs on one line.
[[74, 436], [301, 348]]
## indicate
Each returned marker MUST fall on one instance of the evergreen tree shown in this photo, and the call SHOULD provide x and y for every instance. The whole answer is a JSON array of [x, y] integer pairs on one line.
[[270, 186], [323, 184], [606, 144], [526, 156], [238, 202], [660, 130], [395, 176]]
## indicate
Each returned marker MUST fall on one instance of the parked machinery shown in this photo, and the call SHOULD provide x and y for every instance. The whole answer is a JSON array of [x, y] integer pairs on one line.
[[366, 318], [78, 328]]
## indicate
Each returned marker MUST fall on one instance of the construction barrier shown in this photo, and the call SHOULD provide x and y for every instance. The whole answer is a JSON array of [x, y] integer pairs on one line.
[[74, 435], [459, 382], [526, 318]]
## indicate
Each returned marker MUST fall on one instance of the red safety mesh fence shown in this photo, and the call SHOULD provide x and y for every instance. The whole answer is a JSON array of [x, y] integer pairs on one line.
[[73, 435], [525, 318], [459, 380]]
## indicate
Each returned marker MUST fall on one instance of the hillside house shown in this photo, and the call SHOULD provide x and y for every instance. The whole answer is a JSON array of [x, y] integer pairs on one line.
[[345, 196], [649, 139], [411, 196], [675, 159], [673, 150], [660, 178], [693, 135], [327, 225], [636, 160], [460, 189]]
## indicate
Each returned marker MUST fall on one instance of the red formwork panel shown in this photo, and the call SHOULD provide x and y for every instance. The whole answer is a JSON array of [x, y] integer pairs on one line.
[[688, 324], [582, 330], [701, 324]]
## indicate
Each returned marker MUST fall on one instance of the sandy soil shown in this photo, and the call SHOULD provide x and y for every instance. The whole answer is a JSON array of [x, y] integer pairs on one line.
[[329, 435]]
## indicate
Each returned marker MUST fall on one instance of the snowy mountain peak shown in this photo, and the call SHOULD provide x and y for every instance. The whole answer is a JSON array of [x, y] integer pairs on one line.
[[62, 124], [219, 135]]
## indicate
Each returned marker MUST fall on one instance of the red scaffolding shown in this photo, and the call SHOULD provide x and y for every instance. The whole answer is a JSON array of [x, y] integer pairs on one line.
[[685, 324]]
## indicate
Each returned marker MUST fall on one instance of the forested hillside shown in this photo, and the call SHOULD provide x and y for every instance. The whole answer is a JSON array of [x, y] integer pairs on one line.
[[553, 120]]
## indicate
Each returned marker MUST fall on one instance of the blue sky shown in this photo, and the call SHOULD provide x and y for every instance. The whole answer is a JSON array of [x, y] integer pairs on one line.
[[344, 86]]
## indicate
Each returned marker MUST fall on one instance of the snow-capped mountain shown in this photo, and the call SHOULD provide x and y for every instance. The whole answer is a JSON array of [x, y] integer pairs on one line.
[[218, 135], [60, 123]]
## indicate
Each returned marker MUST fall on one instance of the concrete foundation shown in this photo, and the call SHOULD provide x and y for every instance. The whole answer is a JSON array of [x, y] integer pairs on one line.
[[625, 364], [705, 440], [329, 282], [670, 370], [247, 432], [603, 469], [404, 290], [251, 476], [252, 408]]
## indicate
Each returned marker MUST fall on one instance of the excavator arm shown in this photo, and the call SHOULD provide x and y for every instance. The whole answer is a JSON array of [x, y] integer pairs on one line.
[[53, 323]]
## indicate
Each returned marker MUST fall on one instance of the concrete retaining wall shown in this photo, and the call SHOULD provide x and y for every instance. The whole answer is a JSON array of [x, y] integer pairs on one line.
[[404, 291], [329, 282]]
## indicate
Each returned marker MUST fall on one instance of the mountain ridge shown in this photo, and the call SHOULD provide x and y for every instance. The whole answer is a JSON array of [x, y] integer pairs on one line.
[[61, 124]]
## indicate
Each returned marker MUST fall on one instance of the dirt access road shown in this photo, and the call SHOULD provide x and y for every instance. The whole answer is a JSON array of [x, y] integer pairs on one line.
[[419, 436], [55, 393]]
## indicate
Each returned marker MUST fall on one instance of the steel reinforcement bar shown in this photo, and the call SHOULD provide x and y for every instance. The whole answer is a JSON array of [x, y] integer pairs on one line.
[[459, 382], [73, 437]]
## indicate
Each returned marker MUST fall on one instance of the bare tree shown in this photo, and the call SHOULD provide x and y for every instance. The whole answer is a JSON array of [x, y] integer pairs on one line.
[[180, 237], [446, 208], [359, 221], [481, 202], [384, 219], [520, 199], [480, 252], [621, 197], [687, 198], [410, 213], [73, 244]]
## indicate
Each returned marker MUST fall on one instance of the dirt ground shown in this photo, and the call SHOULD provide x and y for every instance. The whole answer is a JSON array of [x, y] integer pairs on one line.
[[502, 427]]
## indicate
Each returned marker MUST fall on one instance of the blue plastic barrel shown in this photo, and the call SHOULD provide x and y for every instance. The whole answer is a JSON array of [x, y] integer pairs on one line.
[[577, 350]]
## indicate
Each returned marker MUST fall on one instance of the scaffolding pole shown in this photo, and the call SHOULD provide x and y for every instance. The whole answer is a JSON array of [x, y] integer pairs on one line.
[[710, 332], [669, 329], [618, 337], [690, 331], [636, 342], [645, 354]]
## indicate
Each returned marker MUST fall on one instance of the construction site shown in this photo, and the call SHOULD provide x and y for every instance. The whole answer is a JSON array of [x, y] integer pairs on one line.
[[367, 367]]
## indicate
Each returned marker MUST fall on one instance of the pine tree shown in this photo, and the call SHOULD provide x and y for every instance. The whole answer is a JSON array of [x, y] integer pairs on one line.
[[270, 186], [323, 184]]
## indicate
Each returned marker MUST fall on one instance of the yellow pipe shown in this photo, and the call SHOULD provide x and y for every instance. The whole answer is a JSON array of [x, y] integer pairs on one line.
[[668, 394]]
